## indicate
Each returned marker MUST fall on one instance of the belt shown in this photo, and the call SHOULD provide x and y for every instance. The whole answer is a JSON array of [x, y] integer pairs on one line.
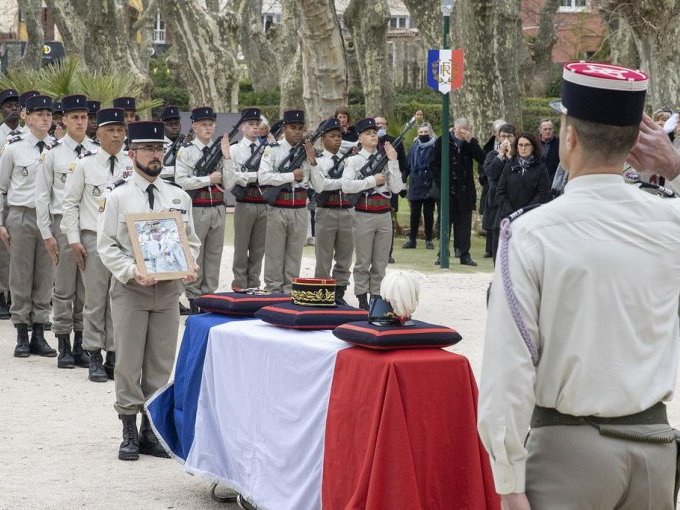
[[207, 197], [252, 196], [373, 203], [292, 199], [546, 417], [335, 201]]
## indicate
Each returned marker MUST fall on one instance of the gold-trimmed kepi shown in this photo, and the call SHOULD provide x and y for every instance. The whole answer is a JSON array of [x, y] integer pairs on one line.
[[313, 291]]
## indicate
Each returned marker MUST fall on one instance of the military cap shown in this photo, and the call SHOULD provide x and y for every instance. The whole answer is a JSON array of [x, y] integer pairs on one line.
[[7, 95], [146, 131], [23, 97], [294, 117], [74, 103], [602, 93], [251, 114], [364, 124], [202, 113], [57, 107], [329, 125], [93, 107], [126, 103], [170, 112], [107, 116], [35, 103]]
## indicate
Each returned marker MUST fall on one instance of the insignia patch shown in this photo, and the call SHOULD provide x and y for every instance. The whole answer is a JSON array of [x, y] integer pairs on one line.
[[42, 156], [72, 166], [267, 151], [176, 201], [102, 204]]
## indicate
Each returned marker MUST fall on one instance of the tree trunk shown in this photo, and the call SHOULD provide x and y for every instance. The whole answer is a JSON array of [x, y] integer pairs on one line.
[[32, 12], [428, 18], [289, 57], [258, 46], [538, 69], [324, 67], [507, 43], [367, 21], [72, 33], [620, 39], [206, 45]]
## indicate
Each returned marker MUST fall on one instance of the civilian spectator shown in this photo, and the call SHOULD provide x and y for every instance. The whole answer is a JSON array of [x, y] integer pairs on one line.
[[490, 146], [550, 146]]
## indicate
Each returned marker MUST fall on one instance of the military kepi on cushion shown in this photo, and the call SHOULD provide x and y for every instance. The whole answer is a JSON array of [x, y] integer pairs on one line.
[[313, 291], [146, 132], [203, 113], [36, 103], [243, 304], [602, 93], [110, 116]]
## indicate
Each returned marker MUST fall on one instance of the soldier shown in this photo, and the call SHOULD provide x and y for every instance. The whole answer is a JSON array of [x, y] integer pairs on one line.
[[172, 141], [129, 106], [86, 188], [250, 214], [69, 293], [92, 108], [30, 273], [287, 218], [372, 221], [57, 129], [207, 201], [144, 310], [335, 215], [22, 112]]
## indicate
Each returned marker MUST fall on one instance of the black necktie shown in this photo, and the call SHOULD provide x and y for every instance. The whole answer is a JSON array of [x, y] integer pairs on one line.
[[149, 191], [252, 148], [206, 149], [335, 160], [112, 163], [79, 148], [41, 145]]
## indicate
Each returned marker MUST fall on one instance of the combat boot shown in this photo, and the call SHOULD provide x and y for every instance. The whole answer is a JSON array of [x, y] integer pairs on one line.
[[194, 308], [65, 358], [363, 301], [110, 364], [38, 343], [4, 308], [22, 350], [340, 295], [129, 448], [148, 442], [96, 369], [80, 357]]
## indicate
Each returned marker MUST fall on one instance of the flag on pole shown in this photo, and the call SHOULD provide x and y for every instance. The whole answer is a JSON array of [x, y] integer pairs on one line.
[[445, 70]]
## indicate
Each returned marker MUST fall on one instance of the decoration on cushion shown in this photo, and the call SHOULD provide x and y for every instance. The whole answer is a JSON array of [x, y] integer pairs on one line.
[[243, 303], [313, 291], [291, 315]]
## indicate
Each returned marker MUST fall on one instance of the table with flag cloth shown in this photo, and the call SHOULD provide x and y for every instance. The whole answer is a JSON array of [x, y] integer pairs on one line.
[[302, 420]]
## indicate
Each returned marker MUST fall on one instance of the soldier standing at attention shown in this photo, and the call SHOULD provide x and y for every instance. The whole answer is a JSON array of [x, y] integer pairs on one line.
[[207, 203], [287, 218], [171, 120], [372, 221], [129, 106], [92, 108], [23, 128], [250, 214], [144, 310], [30, 272], [69, 293], [335, 215], [86, 189], [581, 352]]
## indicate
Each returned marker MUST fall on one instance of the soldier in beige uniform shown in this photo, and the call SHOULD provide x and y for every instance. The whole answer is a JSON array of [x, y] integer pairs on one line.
[[208, 203], [69, 293], [372, 220], [288, 217], [334, 215], [86, 188], [30, 274], [144, 309], [250, 214]]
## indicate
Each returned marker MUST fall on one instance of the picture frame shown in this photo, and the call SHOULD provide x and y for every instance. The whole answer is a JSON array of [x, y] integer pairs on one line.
[[160, 245]]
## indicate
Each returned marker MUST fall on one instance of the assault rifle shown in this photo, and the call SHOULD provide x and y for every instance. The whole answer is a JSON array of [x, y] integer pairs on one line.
[[171, 155], [377, 162], [209, 161], [253, 162], [293, 161], [336, 172]]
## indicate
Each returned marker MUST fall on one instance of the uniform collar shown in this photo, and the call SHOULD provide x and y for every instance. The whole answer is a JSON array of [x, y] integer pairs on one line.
[[593, 181], [71, 143], [34, 139], [200, 144], [105, 155], [141, 182], [246, 143], [367, 154], [284, 143], [328, 154]]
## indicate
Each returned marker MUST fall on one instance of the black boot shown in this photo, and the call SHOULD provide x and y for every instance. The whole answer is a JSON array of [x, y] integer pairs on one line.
[[363, 301], [129, 448], [110, 364], [80, 357], [183, 310], [193, 307], [4, 308], [22, 350], [148, 442], [408, 245], [65, 358], [38, 343], [97, 372], [340, 295]]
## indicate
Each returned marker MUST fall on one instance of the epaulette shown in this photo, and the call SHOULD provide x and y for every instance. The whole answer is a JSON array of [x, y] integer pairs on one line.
[[519, 212], [273, 144], [87, 153], [119, 182], [233, 143], [15, 132], [172, 184], [186, 144], [15, 138], [318, 154], [95, 141], [53, 144]]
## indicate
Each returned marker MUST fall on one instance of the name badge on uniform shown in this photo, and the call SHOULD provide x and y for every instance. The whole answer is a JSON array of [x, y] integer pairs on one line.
[[24, 171], [181, 211]]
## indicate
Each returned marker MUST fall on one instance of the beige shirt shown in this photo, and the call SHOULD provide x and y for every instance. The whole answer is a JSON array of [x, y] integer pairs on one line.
[[51, 180], [87, 188], [319, 177], [187, 157], [234, 173], [596, 277], [353, 182], [269, 175], [113, 238]]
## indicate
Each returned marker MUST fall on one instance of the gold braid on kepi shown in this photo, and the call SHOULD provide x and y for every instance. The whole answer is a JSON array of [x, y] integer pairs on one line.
[[313, 291]]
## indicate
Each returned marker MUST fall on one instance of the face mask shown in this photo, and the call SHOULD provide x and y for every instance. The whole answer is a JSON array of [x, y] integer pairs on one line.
[[381, 132], [424, 138]]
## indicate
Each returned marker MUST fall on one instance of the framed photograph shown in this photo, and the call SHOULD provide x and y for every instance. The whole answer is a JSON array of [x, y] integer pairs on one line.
[[160, 245]]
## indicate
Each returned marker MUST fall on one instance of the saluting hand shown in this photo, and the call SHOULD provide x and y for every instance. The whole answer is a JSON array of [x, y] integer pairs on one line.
[[79, 253], [311, 155], [144, 281], [4, 236], [224, 145], [53, 249], [654, 151], [390, 152]]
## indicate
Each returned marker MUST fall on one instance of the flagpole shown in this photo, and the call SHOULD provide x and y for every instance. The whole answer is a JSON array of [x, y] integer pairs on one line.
[[444, 218]]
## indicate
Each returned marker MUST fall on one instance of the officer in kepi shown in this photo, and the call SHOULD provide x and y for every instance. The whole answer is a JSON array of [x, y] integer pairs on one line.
[[144, 309], [581, 348]]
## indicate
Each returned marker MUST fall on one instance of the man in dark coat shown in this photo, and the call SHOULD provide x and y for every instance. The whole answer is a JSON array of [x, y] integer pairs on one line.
[[463, 150], [550, 146]]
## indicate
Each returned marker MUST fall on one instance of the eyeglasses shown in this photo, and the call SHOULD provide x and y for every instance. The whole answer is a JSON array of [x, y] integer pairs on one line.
[[524, 145], [158, 150]]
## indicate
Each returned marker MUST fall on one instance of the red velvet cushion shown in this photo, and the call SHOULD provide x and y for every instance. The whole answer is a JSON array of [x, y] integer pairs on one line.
[[419, 336], [290, 315], [238, 303]]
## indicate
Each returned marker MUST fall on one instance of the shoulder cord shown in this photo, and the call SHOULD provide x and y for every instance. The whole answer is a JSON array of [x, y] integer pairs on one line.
[[510, 295]]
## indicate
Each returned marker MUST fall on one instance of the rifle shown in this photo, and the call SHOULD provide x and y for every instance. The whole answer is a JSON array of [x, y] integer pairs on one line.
[[335, 173], [377, 162], [209, 161], [171, 155], [252, 164], [294, 159]]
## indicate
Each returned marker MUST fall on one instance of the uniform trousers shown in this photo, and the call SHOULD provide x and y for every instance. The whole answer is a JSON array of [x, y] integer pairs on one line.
[[97, 323], [209, 227], [69, 292], [573, 467], [4, 267], [147, 322], [334, 238], [286, 236], [250, 231], [30, 273], [462, 230], [372, 239]]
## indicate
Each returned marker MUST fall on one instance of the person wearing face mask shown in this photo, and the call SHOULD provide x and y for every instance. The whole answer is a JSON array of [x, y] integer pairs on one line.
[[144, 309], [420, 181]]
